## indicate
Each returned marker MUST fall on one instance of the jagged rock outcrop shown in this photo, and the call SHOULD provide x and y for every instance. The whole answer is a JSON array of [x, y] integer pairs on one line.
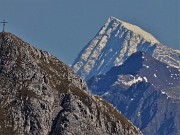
[[146, 91], [40, 95], [114, 43]]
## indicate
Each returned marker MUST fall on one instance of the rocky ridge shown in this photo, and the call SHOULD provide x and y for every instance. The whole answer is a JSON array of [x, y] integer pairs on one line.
[[114, 43], [145, 90], [40, 95]]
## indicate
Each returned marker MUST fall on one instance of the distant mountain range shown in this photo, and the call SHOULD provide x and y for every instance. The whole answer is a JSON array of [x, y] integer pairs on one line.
[[146, 91], [114, 43], [136, 73], [141, 67], [40, 95]]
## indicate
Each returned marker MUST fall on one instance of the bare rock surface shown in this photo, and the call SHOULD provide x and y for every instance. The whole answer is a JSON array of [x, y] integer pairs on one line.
[[40, 95]]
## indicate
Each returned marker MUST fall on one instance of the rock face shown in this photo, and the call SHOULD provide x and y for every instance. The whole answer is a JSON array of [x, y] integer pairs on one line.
[[114, 43], [39, 95], [146, 91]]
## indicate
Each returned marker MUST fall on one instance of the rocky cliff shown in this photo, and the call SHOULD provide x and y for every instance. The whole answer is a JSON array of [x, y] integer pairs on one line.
[[40, 95]]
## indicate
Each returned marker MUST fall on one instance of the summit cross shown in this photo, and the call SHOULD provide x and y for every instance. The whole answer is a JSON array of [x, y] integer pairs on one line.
[[4, 23]]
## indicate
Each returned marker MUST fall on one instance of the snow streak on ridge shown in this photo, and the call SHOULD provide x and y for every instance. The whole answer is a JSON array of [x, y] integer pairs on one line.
[[136, 30]]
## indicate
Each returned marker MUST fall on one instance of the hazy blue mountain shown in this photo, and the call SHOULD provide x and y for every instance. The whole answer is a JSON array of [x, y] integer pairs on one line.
[[145, 90]]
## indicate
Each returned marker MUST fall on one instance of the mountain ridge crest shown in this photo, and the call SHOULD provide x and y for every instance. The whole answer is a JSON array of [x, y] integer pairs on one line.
[[134, 28]]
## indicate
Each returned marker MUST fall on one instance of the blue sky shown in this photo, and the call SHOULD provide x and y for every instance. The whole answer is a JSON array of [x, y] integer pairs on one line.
[[64, 27]]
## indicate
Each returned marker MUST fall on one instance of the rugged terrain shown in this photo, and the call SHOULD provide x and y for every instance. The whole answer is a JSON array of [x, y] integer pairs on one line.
[[146, 91], [40, 95], [114, 43]]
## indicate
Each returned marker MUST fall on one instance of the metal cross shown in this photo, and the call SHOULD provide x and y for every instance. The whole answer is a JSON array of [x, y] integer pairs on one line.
[[4, 23]]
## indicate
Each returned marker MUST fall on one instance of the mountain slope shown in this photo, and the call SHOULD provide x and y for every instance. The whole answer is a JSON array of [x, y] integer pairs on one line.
[[145, 90], [40, 95], [114, 43]]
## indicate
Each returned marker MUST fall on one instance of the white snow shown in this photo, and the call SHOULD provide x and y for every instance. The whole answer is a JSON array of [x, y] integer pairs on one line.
[[145, 79], [137, 30], [133, 81], [139, 113], [114, 43], [146, 66], [106, 93], [163, 92]]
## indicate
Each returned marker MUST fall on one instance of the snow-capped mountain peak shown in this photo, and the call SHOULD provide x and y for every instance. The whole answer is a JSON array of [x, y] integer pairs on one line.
[[114, 43], [134, 29]]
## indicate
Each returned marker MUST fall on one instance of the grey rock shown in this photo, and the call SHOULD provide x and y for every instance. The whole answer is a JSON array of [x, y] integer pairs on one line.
[[40, 95]]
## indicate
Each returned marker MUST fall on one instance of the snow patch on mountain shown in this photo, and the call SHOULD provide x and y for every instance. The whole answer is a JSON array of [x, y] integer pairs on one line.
[[114, 43], [146, 66], [136, 30], [135, 80], [129, 80], [145, 79]]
